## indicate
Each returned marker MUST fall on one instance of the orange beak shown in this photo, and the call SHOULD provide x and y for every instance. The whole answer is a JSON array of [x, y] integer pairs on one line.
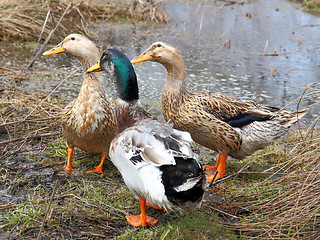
[[142, 58], [55, 50], [95, 68]]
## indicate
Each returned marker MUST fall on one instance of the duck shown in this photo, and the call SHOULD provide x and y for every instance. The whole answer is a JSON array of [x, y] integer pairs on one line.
[[155, 160], [228, 125], [88, 121]]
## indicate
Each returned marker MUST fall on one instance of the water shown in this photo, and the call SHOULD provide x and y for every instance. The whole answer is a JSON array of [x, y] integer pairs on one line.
[[222, 47], [240, 69]]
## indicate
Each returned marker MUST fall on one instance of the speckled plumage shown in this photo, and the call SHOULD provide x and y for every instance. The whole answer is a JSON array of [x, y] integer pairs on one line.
[[219, 122], [88, 121]]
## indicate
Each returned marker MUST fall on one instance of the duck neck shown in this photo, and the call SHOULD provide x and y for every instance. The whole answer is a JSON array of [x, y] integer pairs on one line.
[[126, 81], [128, 108], [89, 61], [92, 82], [175, 83], [127, 113], [174, 89]]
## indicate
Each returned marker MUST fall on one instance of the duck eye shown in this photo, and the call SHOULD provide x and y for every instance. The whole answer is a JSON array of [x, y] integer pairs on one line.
[[158, 45], [73, 38]]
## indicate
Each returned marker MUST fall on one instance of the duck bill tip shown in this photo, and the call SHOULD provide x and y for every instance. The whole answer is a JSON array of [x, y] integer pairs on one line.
[[55, 50], [142, 58], [95, 68]]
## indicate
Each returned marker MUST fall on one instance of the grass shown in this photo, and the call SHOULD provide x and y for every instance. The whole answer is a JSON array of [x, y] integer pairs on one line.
[[312, 4], [277, 196], [198, 225], [24, 20], [286, 202]]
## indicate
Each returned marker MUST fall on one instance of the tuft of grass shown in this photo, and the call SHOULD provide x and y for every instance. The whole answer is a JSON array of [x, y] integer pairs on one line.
[[57, 148], [311, 4], [197, 225], [23, 20], [286, 202]]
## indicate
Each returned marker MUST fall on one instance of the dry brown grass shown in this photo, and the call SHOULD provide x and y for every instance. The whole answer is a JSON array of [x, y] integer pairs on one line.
[[287, 203], [290, 207], [25, 118], [315, 4], [24, 20]]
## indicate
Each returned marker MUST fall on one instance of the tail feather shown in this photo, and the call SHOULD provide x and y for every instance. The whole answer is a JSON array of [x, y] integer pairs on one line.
[[296, 116], [184, 182]]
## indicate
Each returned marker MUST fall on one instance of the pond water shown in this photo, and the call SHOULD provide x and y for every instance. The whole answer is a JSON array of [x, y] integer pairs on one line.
[[222, 45]]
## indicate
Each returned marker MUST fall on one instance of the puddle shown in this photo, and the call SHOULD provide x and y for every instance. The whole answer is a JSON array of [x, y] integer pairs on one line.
[[222, 47]]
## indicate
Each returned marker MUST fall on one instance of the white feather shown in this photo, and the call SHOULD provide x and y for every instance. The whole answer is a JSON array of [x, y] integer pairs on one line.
[[143, 178]]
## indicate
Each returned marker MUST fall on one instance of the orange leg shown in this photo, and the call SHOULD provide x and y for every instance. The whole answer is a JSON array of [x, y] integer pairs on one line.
[[212, 168], [155, 207], [142, 219], [220, 167], [69, 164], [98, 168]]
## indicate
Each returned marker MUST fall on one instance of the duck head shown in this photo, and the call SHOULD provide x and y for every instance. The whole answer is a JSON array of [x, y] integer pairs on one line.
[[159, 52], [78, 46], [121, 71]]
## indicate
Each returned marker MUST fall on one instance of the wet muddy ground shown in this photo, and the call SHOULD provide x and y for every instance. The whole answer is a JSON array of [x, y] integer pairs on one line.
[[267, 51]]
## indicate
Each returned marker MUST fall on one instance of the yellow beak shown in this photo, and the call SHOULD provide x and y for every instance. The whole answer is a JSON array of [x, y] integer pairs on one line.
[[95, 68], [55, 50], [142, 58]]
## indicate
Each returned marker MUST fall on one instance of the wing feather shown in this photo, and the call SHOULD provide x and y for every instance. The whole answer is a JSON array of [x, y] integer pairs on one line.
[[233, 111], [152, 142]]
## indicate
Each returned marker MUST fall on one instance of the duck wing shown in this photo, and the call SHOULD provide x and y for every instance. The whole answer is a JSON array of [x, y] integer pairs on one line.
[[233, 111], [151, 142]]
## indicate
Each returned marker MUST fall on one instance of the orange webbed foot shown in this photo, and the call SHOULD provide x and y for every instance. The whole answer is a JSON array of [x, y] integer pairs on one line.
[[139, 221], [97, 169], [215, 176], [211, 172], [216, 172], [69, 169], [142, 219], [210, 177], [210, 169]]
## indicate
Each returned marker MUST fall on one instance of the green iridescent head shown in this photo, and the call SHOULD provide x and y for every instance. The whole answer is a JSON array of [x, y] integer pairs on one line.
[[120, 69]]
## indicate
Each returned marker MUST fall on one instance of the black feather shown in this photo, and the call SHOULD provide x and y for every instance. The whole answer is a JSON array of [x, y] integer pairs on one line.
[[172, 144], [245, 120], [176, 175], [136, 158]]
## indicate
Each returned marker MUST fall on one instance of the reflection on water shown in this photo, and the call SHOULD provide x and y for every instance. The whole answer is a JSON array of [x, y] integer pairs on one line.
[[222, 47]]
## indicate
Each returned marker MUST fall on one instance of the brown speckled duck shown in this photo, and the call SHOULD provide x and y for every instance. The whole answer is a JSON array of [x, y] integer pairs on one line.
[[88, 121], [219, 122]]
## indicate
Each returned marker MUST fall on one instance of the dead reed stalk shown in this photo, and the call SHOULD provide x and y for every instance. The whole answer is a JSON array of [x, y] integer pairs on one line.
[[26, 119], [288, 206], [24, 20]]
